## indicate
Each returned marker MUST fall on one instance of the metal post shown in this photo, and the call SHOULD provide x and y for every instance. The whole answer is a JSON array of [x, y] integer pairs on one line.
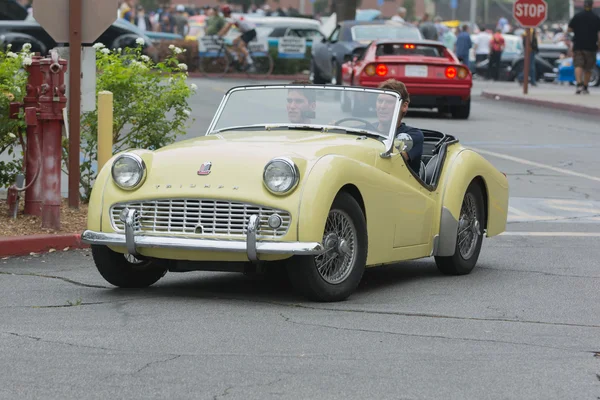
[[74, 100], [105, 127], [526, 66], [473, 13], [571, 9], [33, 194], [302, 7], [52, 101]]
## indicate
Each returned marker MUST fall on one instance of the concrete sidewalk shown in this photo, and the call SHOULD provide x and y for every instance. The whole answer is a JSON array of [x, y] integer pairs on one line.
[[548, 96]]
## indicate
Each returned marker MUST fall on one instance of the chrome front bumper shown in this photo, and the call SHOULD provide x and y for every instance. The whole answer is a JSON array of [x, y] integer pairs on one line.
[[250, 246]]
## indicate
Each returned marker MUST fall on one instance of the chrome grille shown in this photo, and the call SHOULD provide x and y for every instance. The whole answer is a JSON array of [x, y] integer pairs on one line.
[[200, 217]]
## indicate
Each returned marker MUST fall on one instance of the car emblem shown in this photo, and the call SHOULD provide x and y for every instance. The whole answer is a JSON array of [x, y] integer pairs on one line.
[[205, 168]]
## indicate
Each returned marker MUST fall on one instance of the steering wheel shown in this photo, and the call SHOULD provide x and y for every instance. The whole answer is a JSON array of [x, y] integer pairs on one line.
[[369, 125]]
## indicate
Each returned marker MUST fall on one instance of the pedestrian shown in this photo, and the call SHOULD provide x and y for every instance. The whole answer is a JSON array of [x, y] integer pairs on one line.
[[142, 20], [532, 65], [481, 45], [400, 15], [463, 45], [427, 28], [449, 39], [496, 48], [181, 24], [586, 28]]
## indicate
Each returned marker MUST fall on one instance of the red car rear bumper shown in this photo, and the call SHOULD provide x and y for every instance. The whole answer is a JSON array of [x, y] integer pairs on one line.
[[432, 95]]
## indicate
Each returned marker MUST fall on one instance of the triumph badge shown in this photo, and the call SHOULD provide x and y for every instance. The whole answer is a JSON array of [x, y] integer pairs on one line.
[[205, 168]]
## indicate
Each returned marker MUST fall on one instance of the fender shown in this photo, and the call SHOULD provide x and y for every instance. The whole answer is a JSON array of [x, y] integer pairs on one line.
[[462, 169]]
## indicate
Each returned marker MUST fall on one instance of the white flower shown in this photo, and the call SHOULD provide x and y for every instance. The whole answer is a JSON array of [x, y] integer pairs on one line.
[[105, 51], [145, 58], [27, 61], [119, 50], [11, 135], [193, 86], [18, 90], [182, 67], [170, 80], [187, 112], [140, 41], [177, 50], [27, 47], [171, 46], [11, 54], [98, 46]]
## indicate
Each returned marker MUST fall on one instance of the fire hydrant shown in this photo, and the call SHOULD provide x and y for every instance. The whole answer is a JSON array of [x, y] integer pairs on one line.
[[52, 100]]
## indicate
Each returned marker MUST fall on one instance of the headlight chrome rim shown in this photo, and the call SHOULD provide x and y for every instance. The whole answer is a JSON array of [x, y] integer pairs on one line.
[[295, 174], [141, 164]]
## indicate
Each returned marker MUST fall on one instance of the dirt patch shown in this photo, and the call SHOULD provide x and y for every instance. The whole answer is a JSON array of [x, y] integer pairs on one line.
[[72, 221]]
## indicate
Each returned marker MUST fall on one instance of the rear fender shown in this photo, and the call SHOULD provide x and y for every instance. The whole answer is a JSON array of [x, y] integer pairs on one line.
[[462, 169]]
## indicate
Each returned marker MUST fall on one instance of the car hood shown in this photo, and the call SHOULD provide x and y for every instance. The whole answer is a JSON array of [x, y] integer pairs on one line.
[[240, 157]]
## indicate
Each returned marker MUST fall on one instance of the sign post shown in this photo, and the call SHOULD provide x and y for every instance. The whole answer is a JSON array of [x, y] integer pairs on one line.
[[75, 23], [530, 14]]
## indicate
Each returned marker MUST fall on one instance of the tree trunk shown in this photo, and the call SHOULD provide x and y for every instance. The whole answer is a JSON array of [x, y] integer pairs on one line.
[[346, 10]]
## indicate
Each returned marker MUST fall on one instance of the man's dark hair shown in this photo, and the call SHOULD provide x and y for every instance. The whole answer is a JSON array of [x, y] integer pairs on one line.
[[588, 4], [465, 27], [311, 95], [396, 86]]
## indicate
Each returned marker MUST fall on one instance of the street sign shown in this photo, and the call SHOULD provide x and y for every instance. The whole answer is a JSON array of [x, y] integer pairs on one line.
[[96, 17], [530, 13], [291, 47]]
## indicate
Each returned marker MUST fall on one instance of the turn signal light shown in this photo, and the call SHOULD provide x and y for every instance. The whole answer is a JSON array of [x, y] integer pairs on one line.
[[381, 70], [370, 70], [462, 73], [451, 72]]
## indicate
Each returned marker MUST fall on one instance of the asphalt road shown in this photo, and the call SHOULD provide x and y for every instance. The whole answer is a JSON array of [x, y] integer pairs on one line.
[[524, 325]]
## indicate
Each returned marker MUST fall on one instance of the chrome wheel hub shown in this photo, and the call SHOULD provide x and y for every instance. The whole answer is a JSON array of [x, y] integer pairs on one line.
[[335, 264], [469, 228]]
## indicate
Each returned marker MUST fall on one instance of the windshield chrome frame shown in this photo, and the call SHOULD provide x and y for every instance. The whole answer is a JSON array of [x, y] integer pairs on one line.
[[389, 142]]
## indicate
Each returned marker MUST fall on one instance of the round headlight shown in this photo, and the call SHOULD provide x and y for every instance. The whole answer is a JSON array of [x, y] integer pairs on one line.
[[281, 175], [128, 171]]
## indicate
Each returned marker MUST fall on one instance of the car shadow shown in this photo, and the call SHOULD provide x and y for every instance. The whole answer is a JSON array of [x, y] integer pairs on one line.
[[263, 289]]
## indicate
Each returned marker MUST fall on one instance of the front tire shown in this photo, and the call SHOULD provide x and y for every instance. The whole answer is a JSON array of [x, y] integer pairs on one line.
[[469, 235], [335, 274], [461, 112], [125, 271]]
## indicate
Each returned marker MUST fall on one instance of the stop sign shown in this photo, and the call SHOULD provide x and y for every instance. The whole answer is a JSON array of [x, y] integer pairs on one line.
[[530, 13]]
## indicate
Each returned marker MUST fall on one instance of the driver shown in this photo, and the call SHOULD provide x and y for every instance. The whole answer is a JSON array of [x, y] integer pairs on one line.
[[385, 113], [301, 104]]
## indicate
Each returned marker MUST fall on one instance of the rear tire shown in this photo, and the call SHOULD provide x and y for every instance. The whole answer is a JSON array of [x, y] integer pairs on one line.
[[117, 270], [461, 112], [334, 275], [469, 235]]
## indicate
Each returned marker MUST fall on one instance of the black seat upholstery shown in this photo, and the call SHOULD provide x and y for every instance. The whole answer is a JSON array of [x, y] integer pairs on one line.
[[430, 169], [422, 171]]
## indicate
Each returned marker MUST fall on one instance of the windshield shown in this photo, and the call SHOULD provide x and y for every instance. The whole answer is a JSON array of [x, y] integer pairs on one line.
[[308, 107], [376, 32]]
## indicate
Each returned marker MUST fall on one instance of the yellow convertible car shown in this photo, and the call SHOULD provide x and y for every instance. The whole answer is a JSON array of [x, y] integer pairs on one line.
[[285, 180]]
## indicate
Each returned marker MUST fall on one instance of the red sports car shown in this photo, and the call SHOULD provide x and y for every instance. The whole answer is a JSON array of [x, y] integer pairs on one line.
[[433, 75]]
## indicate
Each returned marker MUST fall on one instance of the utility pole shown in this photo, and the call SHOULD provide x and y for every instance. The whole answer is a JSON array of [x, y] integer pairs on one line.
[[571, 8], [473, 13], [302, 7]]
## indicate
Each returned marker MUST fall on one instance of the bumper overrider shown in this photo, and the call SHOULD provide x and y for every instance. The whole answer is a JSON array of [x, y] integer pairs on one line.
[[251, 246]]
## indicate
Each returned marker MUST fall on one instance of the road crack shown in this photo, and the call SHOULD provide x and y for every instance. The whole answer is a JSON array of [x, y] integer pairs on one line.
[[56, 277], [541, 273], [225, 393], [287, 319], [156, 362]]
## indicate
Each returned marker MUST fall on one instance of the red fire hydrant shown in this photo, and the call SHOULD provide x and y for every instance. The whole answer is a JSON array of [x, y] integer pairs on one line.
[[52, 101], [33, 160]]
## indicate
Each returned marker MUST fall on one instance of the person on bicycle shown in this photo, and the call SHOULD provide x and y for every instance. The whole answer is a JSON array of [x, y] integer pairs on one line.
[[247, 28]]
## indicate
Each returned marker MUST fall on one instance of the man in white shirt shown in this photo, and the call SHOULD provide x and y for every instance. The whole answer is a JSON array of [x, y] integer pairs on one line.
[[247, 28], [482, 45], [400, 15]]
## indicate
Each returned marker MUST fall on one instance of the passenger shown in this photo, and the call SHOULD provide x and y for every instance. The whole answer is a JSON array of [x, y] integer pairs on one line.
[[385, 113], [301, 104]]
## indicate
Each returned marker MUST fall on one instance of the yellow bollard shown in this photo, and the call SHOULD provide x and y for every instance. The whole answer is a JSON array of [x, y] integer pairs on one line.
[[105, 127]]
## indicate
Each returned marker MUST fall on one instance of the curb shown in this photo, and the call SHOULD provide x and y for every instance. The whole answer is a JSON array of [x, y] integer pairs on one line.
[[542, 103], [24, 245], [248, 77]]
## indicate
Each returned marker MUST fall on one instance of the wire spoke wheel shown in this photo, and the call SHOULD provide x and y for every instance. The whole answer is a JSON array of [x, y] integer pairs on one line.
[[468, 227], [262, 65], [340, 241]]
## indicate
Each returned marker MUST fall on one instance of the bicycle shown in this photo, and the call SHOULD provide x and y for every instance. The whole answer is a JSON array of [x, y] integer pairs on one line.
[[220, 59]]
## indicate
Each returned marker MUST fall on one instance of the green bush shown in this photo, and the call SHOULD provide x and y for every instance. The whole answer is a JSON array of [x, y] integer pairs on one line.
[[13, 80], [150, 104]]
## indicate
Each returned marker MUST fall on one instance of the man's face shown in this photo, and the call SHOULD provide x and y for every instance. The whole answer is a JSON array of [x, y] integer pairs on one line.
[[385, 108], [297, 103]]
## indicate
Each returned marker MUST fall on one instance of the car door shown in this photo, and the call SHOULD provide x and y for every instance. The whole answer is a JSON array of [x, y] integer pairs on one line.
[[414, 205], [322, 55]]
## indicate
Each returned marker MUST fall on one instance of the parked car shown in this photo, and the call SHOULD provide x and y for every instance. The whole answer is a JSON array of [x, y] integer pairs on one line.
[[352, 36], [119, 34], [285, 181], [433, 75]]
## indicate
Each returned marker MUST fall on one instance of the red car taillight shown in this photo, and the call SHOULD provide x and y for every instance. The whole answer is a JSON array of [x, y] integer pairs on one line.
[[451, 72], [456, 72], [381, 70]]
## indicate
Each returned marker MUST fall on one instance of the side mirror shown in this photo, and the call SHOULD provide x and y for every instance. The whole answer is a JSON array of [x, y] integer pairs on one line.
[[324, 40], [403, 142]]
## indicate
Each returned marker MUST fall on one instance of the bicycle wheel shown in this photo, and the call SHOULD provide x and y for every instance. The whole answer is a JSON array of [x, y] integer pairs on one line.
[[263, 65], [212, 65]]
